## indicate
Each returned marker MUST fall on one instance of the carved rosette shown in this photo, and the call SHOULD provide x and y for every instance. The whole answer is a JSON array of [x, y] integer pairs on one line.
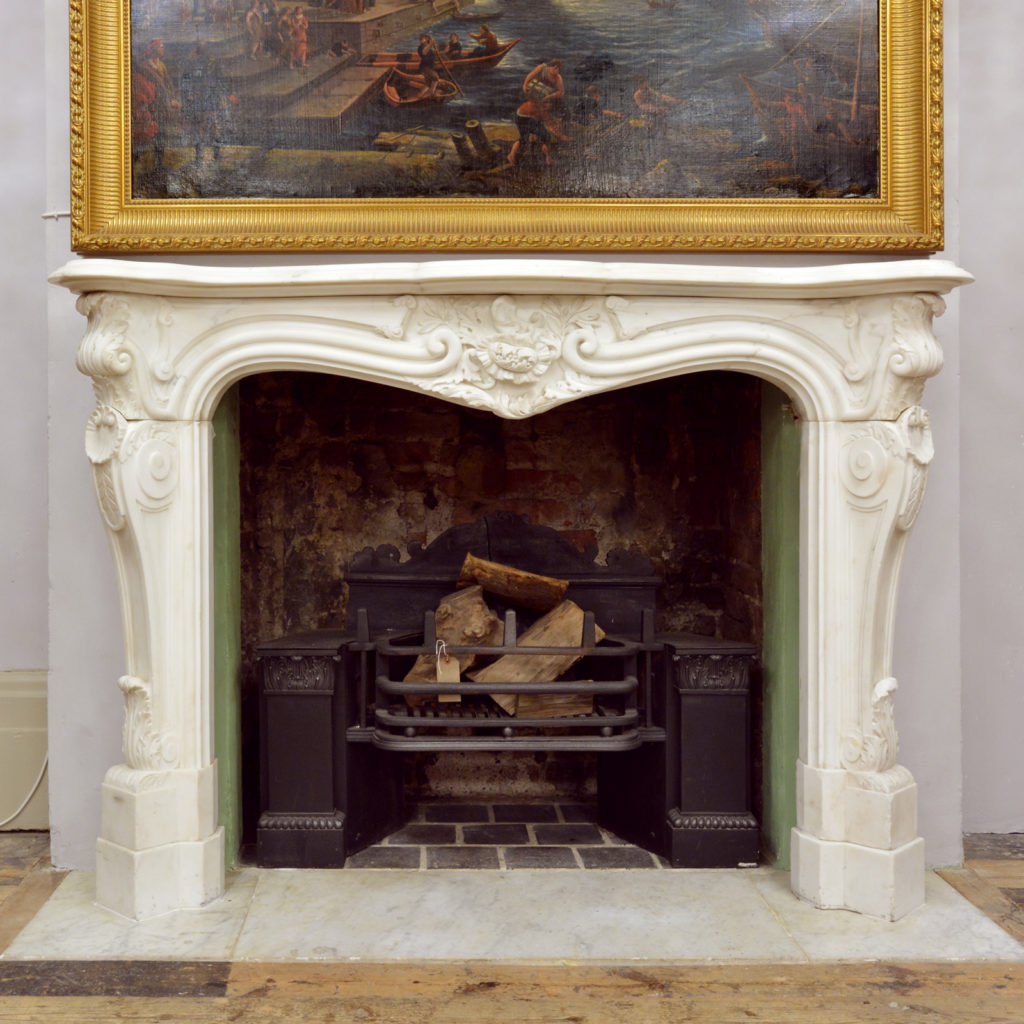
[[874, 749], [144, 746]]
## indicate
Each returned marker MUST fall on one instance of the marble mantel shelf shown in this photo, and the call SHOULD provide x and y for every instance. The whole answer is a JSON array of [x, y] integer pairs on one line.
[[852, 345]]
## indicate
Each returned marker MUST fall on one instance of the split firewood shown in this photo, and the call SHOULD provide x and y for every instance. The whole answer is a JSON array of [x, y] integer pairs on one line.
[[561, 627], [463, 620], [528, 589]]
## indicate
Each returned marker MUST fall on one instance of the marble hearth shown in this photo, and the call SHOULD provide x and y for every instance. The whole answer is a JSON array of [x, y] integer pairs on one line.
[[851, 345]]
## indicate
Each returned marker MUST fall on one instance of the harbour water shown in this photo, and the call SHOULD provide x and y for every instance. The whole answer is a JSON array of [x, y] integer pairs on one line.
[[706, 54], [765, 98]]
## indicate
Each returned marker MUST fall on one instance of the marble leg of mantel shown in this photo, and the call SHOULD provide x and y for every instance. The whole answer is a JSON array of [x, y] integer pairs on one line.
[[852, 346]]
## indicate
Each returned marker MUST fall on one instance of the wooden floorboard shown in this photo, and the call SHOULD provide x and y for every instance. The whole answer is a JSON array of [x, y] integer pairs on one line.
[[143, 992], [988, 898], [25, 901], [612, 994]]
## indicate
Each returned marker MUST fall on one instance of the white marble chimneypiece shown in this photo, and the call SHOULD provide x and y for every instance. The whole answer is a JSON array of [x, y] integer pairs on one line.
[[852, 345]]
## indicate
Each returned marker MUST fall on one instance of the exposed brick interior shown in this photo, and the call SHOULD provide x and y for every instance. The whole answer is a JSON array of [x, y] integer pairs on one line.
[[330, 465]]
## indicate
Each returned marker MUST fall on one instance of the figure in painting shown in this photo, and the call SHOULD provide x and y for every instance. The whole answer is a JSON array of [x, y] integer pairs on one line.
[[453, 48], [165, 105], [300, 38], [429, 57], [144, 124], [487, 42], [544, 84], [651, 102], [205, 98], [254, 29], [543, 88]]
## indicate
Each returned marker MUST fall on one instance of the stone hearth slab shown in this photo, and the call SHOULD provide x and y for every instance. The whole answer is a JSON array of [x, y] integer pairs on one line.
[[523, 915]]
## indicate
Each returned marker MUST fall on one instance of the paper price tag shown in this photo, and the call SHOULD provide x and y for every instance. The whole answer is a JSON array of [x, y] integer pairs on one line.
[[448, 671]]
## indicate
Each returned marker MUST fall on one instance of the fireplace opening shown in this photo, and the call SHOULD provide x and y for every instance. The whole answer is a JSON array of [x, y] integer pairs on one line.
[[668, 471]]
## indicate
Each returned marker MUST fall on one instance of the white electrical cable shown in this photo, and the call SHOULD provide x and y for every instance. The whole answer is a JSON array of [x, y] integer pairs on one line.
[[31, 793]]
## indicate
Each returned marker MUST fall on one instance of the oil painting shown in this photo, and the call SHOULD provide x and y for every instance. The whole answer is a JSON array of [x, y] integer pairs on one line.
[[507, 98], [542, 123]]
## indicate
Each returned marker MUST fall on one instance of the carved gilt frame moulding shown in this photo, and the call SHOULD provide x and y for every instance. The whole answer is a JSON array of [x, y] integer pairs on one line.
[[851, 345], [904, 213]]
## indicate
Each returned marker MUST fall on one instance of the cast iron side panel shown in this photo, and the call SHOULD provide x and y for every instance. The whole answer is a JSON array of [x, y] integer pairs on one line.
[[711, 824], [316, 808]]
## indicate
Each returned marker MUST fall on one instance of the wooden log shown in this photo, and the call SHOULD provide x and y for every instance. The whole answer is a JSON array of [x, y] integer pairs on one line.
[[539, 593], [463, 620], [561, 627]]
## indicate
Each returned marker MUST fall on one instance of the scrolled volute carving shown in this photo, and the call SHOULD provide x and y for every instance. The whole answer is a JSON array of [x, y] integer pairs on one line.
[[874, 749], [153, 450], [105, 350], [915, 352], [144, 746], [873, 452]]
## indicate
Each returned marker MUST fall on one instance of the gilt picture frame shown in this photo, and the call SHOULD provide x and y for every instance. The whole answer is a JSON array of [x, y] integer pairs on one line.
[[605, 125]]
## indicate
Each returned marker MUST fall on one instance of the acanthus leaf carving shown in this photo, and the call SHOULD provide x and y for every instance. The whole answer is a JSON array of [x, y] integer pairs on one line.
[[915, 352], [107, 355], [144, 746], [874, 749], [915, 430]]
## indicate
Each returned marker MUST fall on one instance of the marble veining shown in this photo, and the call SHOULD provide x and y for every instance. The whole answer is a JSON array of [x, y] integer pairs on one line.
[[527, 916]]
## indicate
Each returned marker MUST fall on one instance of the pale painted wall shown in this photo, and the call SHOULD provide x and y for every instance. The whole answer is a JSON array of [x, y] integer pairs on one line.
[[23, 346], [992, 416], [85, 656]]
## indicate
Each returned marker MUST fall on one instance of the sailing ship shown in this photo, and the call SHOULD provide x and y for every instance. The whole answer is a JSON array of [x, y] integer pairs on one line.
[[817, 103]]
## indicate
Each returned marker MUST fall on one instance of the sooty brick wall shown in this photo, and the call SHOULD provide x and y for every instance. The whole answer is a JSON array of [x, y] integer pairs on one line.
[[330, 465]]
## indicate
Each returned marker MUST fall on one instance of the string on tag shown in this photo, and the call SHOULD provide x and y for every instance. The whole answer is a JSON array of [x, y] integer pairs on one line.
[[448, 671]]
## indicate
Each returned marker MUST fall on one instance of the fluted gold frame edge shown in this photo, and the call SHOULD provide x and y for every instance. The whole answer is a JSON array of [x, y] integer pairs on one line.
[[906, 217]]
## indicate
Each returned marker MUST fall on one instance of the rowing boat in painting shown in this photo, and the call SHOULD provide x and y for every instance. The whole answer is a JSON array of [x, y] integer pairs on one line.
[[403, 90], [410, 61]]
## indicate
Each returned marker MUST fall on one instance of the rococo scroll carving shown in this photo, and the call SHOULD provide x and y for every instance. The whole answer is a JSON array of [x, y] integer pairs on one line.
[[154, 449], [872, 452], [510, 350], [106, 354], [875, 749], [137, 381], [144, 745]]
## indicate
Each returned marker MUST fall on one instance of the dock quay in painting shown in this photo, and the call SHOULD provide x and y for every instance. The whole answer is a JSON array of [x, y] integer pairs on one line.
[[556, 99]]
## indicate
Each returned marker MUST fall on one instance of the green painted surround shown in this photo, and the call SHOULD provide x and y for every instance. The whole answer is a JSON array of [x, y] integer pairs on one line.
[[780, 501]]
